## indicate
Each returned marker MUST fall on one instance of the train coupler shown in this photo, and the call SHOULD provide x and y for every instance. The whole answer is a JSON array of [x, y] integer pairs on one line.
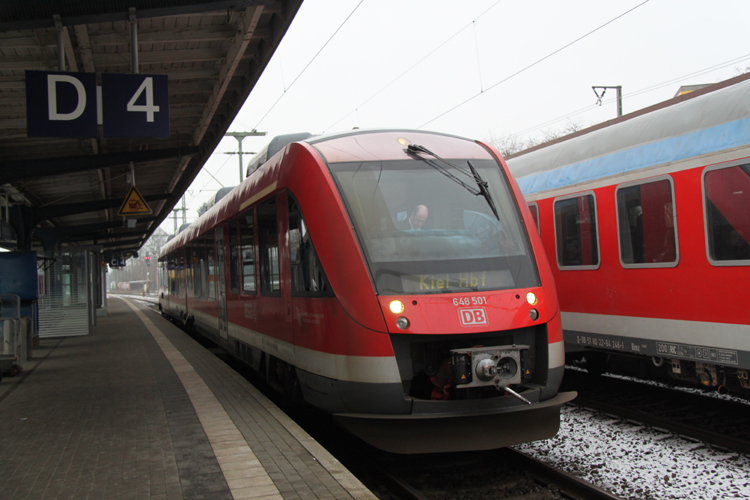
[[498, 366]]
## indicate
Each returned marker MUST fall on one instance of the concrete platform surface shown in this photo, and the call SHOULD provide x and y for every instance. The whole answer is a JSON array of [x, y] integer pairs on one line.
[[139, 410]]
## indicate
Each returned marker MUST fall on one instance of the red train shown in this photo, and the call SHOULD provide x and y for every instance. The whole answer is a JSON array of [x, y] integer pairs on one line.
[[647, 220], [389, 278]]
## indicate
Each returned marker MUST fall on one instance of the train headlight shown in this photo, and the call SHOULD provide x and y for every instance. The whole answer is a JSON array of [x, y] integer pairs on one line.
[[402, 323], [534, 315], [396, 306], [531, 298]]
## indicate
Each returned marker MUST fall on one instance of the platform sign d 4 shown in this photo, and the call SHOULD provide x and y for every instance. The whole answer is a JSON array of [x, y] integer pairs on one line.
[[65, 104], [135, 105], [134, 204]]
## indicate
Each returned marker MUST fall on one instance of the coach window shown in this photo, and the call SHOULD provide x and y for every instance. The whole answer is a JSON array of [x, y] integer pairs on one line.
[[576, 232], [247, 251], [189, 269], [210, 260], [163, 280], [159, 272], [234, 259], [308, 278], [180, 271], [172, 273], [534, 209], [268, 248], [204, 270], [726, 202], [646, 224], [199, 267]]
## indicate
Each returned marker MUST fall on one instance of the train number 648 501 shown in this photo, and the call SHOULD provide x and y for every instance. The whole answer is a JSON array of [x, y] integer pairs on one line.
[[469, 301]]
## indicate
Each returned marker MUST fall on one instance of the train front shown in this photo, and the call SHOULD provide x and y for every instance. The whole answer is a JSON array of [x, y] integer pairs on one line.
[[465, 290]]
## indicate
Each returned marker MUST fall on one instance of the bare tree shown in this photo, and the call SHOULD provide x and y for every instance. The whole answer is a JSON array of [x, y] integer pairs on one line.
[[511, 144], [571, 127], [154, 243]]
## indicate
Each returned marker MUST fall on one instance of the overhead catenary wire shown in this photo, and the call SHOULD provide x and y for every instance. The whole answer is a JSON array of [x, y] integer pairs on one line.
[[479, 59], [534, 63], [482, 89], [473, 22], [213, 178], [644, 90], [308, 64]]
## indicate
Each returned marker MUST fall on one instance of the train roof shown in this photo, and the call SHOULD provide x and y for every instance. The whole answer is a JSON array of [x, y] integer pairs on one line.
[[275, 145], [715, 118]]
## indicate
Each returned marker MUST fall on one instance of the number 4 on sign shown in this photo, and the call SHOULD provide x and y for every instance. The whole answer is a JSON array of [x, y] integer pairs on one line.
[[148, 108]]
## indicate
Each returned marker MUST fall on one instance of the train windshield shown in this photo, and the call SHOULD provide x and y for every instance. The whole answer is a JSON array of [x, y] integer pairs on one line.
[[425, 232]]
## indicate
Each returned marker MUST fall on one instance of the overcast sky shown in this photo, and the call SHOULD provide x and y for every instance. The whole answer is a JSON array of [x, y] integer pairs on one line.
[[481, 69]]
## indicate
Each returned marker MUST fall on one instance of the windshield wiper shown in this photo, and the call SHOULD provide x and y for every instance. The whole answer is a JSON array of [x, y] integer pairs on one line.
[[474, 175], [414, 149], [483, 189]]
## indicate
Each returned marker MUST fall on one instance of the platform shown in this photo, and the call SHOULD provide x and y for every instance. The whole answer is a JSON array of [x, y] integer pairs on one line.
[[139, 410]]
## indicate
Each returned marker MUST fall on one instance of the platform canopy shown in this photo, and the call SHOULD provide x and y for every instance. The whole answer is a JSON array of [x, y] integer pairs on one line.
[[69, 190]]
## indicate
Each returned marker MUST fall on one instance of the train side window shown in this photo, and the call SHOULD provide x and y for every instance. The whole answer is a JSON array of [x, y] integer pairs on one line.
[[247, 251], [534, 208], [204, 266], [163, 281], [189, 269], [172, 272], [211, 264], [576, 232], [180, 271], [199, 264], [308, 278], [726, 204], [647, 224], [234, 259], [268, 248]]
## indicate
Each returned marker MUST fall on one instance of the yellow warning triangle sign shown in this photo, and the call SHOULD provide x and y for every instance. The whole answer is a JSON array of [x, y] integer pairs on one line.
[[134, 204]]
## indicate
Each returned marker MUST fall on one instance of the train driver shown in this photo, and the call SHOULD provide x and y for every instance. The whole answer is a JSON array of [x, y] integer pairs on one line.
[[416, 220]]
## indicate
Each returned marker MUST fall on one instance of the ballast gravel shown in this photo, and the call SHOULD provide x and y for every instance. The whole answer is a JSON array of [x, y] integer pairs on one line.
[[635, 461]]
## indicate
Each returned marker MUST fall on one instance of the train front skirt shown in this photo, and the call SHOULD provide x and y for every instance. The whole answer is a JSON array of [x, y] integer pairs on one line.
[[482, 430]]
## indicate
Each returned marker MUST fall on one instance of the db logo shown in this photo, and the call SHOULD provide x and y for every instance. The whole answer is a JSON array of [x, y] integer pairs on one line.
[[473, 317]]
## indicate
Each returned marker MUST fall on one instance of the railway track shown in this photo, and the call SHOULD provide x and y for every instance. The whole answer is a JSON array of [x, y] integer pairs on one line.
[[495, 474], [718, 422]]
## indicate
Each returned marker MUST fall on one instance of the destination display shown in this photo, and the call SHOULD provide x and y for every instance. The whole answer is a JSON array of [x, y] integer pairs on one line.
[[457, 282]]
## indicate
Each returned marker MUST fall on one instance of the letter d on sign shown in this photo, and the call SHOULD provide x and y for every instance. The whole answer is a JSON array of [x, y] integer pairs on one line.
[[52, 97], [60, 104]]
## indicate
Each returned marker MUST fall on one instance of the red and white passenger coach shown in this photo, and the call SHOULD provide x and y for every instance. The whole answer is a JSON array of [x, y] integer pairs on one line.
[[391, 278], [647, 222]]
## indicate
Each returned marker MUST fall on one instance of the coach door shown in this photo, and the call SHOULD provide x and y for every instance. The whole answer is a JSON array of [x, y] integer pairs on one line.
[[221, 294]]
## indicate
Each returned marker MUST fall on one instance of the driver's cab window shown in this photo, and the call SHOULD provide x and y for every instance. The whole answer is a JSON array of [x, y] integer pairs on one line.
[[416, 223]]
